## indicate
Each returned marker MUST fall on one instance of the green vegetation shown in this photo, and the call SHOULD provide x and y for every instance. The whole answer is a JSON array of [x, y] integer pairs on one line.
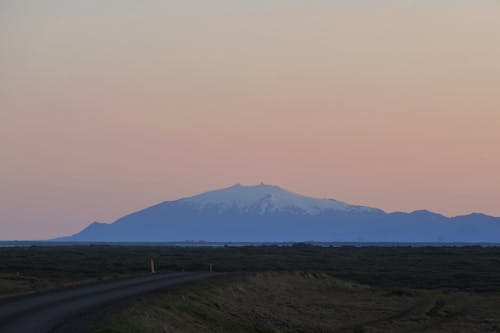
[[300, 288], [305, 302], [28, 269]]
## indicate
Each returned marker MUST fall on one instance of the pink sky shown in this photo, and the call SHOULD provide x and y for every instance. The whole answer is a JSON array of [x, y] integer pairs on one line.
[[107, 107]]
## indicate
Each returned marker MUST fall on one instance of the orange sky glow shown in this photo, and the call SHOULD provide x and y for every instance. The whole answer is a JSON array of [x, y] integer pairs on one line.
[[107, 106]]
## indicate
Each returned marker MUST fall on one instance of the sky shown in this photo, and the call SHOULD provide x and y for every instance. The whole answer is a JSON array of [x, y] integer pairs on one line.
[[110, 106]]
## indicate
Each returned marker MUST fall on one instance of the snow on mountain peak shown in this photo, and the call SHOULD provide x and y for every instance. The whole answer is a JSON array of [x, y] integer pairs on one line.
[[267, 198]]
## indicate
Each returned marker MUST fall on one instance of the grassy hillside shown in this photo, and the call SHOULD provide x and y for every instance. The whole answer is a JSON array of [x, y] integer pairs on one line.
[[305, 302]]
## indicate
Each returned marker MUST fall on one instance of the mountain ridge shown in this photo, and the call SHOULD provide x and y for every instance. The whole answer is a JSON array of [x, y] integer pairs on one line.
[[270, 213]]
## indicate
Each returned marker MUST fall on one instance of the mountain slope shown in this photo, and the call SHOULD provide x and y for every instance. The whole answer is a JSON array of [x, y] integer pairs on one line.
[[270, 213]]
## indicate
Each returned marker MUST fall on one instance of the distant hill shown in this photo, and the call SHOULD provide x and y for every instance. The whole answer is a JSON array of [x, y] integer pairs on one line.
[[266, 213]]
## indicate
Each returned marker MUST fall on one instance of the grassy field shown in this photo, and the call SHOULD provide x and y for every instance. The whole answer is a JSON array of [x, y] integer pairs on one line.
[[300, 288], [306, 302], [29, 269]]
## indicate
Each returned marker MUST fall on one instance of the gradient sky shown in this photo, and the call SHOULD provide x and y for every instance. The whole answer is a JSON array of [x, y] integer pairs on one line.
[[110, 106]]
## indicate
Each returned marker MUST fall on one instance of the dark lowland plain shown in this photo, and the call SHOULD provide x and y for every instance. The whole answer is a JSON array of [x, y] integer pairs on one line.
[[299, 288]]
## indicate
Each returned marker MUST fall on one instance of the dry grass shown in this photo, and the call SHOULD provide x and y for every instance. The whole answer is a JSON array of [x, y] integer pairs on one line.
[[15, 285], [306, 302], [11, 284]]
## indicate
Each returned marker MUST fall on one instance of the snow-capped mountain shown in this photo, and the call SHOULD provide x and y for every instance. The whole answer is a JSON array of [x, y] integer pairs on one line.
[[270, 213], [267, 199]]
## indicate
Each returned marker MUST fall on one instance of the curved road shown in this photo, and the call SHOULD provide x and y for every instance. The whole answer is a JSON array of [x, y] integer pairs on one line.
[[44, 312]]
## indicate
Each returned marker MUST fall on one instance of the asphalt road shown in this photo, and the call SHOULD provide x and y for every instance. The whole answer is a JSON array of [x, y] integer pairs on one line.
[[44, 312]]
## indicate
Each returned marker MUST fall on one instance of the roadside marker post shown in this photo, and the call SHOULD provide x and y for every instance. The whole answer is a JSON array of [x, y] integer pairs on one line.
[[153, 270]]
